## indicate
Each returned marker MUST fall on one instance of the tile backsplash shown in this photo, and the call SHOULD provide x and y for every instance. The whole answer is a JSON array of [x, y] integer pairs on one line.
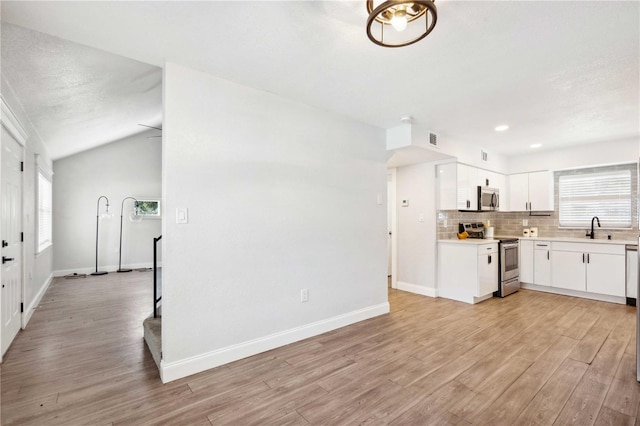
[[510, 223]]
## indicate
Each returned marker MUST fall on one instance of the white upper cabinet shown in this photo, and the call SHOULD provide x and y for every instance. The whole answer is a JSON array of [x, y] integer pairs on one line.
[[458, 185], [531, 191], [467, 188]]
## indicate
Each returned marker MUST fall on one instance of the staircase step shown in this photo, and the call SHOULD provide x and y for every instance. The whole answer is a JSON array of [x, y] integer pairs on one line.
[[153, 337]]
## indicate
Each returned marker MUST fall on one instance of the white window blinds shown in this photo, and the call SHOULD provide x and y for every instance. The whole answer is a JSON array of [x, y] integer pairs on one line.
[[44, 212], [605, 194]]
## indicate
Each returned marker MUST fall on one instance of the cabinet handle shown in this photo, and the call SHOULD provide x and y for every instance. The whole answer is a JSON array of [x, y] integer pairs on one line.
[[587, 257], [489, 259], [582, 257], [548, 255]]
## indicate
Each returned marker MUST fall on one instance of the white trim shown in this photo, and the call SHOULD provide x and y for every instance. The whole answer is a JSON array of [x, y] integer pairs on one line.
[[28, 313], [576, 293], [108, 268], [188, 366], [394, 227], [12, 124], [417, 289]]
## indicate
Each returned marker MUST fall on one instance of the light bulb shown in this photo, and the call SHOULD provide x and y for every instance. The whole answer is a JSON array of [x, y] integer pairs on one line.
[[399, 20]]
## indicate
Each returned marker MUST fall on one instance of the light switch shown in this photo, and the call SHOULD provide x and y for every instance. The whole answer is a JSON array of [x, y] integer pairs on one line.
[[421, 217], [379, 199], [182, 215]]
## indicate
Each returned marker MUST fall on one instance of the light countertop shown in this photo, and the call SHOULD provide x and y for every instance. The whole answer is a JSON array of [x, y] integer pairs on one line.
[[563, 239]]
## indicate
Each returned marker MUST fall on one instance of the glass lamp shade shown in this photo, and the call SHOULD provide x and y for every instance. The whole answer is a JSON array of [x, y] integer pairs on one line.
[[397, 23], [135, 217]]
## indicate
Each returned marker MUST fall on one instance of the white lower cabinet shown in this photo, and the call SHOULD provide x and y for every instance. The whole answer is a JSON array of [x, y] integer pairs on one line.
[[542, 263], [569, 270], [606, 274], [594, 268], [467, 271], [526, 261]]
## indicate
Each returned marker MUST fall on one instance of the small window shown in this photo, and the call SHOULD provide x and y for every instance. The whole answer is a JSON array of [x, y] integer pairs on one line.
[[605, 193], [147, 208], [44, 212]]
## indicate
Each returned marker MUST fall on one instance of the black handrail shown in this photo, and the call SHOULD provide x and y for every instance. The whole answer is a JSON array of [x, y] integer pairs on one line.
[[156, 299]]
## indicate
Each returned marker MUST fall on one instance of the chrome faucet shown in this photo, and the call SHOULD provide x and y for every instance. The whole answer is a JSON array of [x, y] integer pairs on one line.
[[592, 234]]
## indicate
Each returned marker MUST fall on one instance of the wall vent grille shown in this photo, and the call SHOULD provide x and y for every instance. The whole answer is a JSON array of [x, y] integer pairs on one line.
[[433, 140]]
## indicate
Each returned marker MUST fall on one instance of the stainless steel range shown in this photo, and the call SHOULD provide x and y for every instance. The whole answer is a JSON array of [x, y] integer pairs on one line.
[[509, 273]]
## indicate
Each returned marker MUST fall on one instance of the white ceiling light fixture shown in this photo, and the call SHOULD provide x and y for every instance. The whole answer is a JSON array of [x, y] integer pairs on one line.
[[536, 145], [411, 21], [502, 128]]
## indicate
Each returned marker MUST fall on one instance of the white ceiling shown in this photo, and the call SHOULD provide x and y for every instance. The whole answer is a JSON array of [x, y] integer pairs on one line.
[[78, 97], [559, 73]]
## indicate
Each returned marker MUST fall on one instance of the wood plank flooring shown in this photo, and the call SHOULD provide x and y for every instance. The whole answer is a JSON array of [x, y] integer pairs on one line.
[[531, 358]]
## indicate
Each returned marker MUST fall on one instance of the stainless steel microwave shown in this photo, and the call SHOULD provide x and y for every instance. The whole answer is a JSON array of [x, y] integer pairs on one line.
[[488, 198]]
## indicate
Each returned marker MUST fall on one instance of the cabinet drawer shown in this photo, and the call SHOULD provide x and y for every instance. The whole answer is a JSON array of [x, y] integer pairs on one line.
[[487, 248], [589, 247]]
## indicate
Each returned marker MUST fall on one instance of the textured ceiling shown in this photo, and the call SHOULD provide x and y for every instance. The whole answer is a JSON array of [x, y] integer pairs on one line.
[[76, 96], [559, 73]]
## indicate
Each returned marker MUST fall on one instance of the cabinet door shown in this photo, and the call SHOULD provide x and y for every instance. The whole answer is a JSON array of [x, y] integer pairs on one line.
[[518, 192], [463, 183], [542, 264], [569, 271], [487, 274], [526, 261], [541, 191], [447, 186], [606, 274]]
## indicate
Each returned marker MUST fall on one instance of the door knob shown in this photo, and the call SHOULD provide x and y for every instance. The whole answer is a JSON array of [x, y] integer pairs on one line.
[[7, 259]]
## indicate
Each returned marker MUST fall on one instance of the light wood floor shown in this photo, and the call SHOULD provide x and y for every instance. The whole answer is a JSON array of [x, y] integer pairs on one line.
[[531, 358]]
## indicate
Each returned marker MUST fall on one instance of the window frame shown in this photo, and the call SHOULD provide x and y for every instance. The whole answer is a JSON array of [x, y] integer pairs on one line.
[[604, 170], [42, 245]]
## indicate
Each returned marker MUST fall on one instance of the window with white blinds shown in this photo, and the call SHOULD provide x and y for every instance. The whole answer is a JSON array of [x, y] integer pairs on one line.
[[606, 194], [44, 212]]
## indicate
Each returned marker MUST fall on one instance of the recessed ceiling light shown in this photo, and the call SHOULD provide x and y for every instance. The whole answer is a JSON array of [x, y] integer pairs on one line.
[[536, 145], [501, 128]]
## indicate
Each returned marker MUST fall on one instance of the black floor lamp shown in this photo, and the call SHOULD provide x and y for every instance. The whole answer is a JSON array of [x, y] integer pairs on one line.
[[105, 214], [120, 251]]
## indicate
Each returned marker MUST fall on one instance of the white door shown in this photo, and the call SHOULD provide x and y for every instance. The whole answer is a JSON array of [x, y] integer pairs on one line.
[[11, 199]]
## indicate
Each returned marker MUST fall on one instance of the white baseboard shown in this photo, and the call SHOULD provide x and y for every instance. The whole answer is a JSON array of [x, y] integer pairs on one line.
[[576, 293], [417, 289], [28, 313], [108, 268], [186, 367]]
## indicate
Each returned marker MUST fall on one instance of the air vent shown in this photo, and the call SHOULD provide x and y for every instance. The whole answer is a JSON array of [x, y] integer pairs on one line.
[[485, 156], [433, 140]]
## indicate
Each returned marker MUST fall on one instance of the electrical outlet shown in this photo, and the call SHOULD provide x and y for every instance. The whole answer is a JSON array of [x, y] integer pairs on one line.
[[304, 295], [525, 222]]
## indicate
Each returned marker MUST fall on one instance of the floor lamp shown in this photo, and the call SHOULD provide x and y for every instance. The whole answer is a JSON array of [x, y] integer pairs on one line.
[[120, 251], [105, 214]]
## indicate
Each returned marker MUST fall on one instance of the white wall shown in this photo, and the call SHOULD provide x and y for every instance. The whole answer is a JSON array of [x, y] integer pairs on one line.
[[416, 240], [128, 167], [37, 268], [593, 154], [281, 197]]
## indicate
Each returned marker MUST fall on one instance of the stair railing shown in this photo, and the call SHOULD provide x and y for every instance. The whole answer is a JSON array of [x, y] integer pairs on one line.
[[156, 299]]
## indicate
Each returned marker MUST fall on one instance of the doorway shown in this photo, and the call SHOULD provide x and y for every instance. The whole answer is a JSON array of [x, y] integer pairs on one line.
[[11, 232], [391, 229]]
